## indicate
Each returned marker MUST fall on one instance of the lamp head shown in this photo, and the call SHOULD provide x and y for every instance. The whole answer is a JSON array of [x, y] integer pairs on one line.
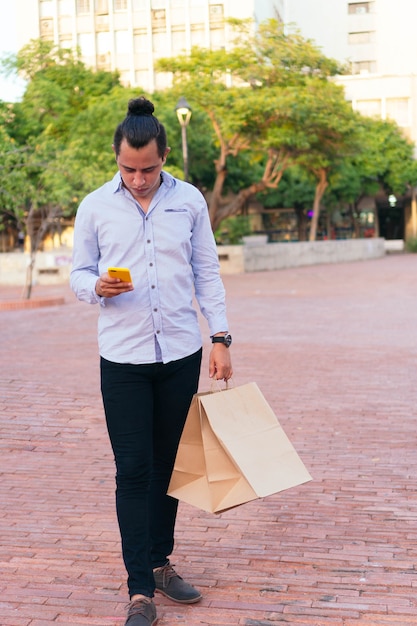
[[183, 111]]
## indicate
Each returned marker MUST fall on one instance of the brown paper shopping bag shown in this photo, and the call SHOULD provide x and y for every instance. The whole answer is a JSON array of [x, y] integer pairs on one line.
[[233, 450]]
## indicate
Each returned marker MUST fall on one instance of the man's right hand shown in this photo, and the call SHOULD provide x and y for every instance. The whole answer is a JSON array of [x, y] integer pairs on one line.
[[108, 287]]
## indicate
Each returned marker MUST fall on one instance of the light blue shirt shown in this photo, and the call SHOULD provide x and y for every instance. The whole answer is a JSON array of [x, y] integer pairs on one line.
[[172, 257]]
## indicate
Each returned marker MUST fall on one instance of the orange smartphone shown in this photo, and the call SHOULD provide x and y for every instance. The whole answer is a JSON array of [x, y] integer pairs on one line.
[[120, 272]]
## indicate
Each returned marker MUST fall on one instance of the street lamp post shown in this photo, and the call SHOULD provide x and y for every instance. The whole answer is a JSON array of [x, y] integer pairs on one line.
[[184, 115]]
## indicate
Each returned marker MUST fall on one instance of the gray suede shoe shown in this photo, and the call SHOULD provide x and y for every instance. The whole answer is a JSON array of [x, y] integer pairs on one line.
[[141, 613], [168, 582]]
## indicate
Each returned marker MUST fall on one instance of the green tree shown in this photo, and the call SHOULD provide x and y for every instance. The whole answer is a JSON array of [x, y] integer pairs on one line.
[[384, 162], [12, 175], [296, 191], [59, 88], [253, 114], [330, 128]]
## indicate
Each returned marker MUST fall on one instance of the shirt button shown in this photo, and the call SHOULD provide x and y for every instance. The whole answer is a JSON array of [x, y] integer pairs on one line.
[[155, 310], [157, 332], [152, 286], [148, 241], [150, 264]]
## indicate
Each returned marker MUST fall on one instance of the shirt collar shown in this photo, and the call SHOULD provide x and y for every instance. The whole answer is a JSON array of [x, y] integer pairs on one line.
[[116, 183]]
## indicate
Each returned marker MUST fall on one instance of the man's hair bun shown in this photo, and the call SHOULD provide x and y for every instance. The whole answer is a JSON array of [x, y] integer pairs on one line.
[[140, 127], [140, 106]]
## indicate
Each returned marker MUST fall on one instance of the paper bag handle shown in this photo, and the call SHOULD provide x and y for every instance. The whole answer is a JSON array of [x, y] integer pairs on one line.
[[216, 385]]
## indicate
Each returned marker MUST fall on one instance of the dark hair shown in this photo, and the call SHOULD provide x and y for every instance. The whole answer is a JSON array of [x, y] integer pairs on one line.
[[140, 127]]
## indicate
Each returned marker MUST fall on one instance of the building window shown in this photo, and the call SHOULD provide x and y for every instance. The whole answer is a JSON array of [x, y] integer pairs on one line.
[[65, 43], [120, 5], [122, 41], [198, 35], [364, 67], [158, 19], [360, 7], [103, 43], [370, 108], [83, 6], [217, 38], [46, 8], [398, 110], [65, 7], [178, 16], [142, 78], [86, 43], [47, 28], [367, 36], [216, 12], [65, 28], [178, 42], [160, 45], [102, 7], [140, 42]]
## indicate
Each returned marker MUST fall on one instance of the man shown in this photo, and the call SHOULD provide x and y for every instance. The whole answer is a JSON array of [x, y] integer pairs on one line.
[[149, 338]]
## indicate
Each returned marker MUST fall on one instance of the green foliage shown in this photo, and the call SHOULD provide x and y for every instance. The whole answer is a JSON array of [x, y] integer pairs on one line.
[[278, 106], [384, 160], [275, 55], [411, 245], [274, 126], [38, 177], [296, 190], [201, 149], [59, 87], [87, 160], [232, 230]]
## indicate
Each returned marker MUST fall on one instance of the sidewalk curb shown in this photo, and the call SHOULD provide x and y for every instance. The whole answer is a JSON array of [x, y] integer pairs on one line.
[[35, 303]]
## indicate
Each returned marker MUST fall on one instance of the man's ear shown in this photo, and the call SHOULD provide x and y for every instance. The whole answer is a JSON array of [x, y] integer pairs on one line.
[[167, 151]]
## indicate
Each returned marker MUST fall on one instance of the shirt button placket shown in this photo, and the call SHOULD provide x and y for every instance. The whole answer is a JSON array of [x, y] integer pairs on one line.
[[152, 278]]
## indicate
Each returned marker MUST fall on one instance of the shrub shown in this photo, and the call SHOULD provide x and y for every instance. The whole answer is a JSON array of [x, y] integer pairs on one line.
[[232, 229], [411, 244]]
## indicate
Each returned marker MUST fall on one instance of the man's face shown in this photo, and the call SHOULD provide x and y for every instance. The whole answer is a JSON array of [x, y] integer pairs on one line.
[[140, 169]]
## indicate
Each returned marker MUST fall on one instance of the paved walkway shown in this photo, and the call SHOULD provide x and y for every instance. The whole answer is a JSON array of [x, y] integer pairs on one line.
[[334, 349]]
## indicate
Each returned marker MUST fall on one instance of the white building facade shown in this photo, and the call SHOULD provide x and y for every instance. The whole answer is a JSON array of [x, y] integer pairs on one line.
[[130, 35], [376, 40]]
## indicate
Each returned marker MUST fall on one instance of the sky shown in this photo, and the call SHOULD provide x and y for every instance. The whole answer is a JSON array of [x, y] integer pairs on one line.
[[11, 88]]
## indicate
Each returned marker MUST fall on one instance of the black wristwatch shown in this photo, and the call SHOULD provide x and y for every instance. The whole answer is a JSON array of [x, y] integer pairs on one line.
[[225, 339]]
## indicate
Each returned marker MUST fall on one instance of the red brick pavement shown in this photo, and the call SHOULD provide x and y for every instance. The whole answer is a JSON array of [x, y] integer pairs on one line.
[[334, 350]]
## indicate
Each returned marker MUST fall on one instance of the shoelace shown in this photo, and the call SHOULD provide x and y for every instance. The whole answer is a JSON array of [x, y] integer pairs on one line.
[[137, 606], [167, 572]]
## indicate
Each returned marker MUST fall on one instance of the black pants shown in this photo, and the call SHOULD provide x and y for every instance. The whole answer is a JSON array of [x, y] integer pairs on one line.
[[146, 407]]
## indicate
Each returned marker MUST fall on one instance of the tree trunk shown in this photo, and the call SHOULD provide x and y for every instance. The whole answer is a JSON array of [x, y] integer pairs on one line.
[[221, 173], [354, 218], [320, 189], [301, 223], [36, 236], [216, 199], [218, 210], [376, 221], [235, 206], [328, 225], [30, 231]]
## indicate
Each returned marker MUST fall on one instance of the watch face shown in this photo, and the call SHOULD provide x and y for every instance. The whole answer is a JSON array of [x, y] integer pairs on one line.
[[226, 340]]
